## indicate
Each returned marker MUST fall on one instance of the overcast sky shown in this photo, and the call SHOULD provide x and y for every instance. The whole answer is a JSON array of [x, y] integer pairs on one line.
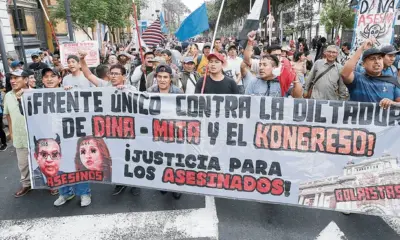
[[193, 4]]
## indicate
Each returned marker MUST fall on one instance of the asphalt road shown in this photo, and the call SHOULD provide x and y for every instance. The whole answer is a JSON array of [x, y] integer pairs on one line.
[[154, 216]]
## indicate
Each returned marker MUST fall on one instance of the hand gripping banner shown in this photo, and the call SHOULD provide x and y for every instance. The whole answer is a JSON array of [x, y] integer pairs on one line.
[[322, 154]]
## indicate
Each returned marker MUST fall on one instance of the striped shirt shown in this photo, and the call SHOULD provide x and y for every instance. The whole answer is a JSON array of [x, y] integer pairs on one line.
[[368, 89]]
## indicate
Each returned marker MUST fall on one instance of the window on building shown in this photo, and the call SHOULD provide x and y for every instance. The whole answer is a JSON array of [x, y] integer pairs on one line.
[[21, 19]]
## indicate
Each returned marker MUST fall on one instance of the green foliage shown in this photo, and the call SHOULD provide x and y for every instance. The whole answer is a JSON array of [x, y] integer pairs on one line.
[[85, 13], [337, 14]]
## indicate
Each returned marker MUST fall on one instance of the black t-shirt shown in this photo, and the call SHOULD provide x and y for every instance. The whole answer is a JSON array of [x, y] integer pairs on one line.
[[226, 86]]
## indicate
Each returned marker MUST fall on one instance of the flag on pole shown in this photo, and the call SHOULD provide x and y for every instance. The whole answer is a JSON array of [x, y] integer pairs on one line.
[[195, 23], [258, 11], [153, 36], [164, 28]]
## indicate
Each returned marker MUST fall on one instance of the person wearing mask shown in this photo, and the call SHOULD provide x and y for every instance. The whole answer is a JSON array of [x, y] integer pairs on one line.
[[76, 79], [344, 55], [371, 86], [217, 82], [138, 78], [188, 77], [325, 81], [52, 79], [201, 61]]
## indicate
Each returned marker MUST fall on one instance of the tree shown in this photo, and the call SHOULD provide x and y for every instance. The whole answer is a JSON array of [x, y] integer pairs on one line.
[[336, 15], [85, 13], [177, 9]]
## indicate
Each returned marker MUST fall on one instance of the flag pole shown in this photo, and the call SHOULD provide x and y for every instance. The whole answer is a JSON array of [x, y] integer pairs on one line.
[[212, 43], [50, 24], [137, 30]]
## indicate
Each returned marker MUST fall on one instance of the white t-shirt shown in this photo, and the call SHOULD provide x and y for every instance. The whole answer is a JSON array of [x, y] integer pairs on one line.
[[190, 87], [234, 67], [76, 81]]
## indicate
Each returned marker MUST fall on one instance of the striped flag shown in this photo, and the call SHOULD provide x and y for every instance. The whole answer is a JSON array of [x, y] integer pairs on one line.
[[153, 35]]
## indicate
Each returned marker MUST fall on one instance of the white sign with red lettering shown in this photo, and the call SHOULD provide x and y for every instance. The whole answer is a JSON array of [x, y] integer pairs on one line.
[[91, 47]]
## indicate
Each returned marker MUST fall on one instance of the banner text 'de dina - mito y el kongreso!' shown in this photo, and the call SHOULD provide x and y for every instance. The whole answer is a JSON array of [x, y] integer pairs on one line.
[[322, 154]]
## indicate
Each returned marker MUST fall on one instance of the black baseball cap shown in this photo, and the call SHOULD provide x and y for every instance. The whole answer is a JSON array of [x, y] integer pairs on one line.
[[163, 68], [55, 71], [372, 51], [389, 49]]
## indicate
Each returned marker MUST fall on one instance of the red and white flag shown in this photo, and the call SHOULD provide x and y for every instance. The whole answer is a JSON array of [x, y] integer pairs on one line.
[[153, 35]]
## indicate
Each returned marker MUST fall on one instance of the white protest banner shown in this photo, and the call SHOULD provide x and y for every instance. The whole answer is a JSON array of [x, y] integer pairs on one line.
[[70, 48], [322, 154], [375, 18]]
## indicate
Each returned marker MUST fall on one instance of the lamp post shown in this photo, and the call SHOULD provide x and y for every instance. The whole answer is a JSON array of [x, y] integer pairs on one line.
[[22, 48], [69, 21]]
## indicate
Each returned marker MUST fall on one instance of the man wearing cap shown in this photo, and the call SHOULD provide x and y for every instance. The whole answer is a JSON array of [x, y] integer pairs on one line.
[[325, 81], [188, 77], [371, 86], [388, 61], [201, 61], [37, 64], [138, 78], [217, 82], [17, 126], [14, 65], [151, 78], [164, 81]]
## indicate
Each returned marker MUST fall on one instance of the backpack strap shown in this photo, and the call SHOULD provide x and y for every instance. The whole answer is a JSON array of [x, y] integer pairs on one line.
[[388, 79]]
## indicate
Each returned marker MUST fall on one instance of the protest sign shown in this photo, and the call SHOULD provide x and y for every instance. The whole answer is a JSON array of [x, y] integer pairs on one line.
[[375, 19], [322, 154], [91, 47]]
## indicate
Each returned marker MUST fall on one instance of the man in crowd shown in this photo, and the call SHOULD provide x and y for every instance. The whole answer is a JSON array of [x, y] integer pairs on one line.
[[201, 61], [218, 45], [17, 127], [76, 79], [167, 55], [324, 81], [388, 61], [37, 63], [217, 82], [345, 53], [58, 66], [233, 64], [164, 81], [138, 78], [151, 78], [52, 79], [371, 86], [188, 77]]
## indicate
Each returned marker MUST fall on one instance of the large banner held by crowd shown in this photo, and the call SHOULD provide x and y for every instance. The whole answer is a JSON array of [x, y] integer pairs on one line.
[[375, 18], [322, 154]]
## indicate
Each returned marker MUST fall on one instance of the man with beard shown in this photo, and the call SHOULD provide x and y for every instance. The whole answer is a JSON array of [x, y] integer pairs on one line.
[[138, 78]]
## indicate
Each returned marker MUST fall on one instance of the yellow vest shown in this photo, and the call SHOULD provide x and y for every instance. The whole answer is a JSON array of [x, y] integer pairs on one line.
[[201, 67]]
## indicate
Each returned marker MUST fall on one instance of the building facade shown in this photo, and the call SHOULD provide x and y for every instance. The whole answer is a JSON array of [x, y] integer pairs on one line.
[[382, 171], [6, 28]]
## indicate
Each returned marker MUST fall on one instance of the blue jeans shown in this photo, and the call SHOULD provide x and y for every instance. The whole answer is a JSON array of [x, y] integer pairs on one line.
[[77, 189]]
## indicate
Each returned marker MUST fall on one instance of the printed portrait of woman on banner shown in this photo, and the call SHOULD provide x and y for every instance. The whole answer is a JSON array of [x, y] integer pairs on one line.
[[92, 154]]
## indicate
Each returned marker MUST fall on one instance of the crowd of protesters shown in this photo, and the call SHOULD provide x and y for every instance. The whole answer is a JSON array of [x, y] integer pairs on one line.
[[368, 75]]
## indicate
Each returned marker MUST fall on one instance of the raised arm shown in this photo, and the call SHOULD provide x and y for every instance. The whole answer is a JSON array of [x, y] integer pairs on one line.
[[249, 48], [348, 69], [85, 69]]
